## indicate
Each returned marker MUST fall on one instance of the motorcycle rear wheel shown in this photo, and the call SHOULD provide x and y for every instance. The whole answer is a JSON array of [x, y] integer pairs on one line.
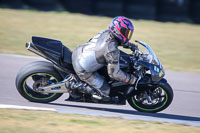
[[37, 74], [161, 97]]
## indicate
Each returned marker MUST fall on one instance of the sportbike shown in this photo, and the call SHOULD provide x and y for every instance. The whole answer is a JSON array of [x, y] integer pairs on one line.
[[46, 81]]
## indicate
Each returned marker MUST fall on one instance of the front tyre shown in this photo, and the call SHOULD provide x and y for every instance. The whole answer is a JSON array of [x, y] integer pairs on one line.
[[36, 74], [152, 100]]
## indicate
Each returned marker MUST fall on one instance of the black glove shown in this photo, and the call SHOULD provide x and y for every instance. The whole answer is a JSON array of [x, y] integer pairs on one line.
[[131, 46], [125, 45]]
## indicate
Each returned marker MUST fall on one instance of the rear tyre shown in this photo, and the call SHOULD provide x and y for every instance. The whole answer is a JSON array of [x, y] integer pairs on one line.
[[37, 74], [161, 97]]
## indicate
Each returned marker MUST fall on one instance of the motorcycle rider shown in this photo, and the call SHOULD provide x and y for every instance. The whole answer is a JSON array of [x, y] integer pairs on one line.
[[102, 50]]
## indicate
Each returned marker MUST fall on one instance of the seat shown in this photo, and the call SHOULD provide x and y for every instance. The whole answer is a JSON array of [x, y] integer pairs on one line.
[[55, 51]]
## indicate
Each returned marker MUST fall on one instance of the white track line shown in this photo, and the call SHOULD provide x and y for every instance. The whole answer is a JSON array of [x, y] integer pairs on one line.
[[4, 106]]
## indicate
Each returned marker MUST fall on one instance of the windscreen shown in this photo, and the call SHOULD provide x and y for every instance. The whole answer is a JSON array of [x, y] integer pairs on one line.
[[149, 55], [157, 70]]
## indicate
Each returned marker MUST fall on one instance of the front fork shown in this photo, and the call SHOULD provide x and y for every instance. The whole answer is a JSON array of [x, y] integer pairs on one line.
[[149, 99]]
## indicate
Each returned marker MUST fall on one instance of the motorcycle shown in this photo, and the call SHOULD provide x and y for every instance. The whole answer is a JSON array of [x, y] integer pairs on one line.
[[46, 81]]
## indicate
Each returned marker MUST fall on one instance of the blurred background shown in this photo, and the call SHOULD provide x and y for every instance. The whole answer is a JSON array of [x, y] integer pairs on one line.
[[161, 10]]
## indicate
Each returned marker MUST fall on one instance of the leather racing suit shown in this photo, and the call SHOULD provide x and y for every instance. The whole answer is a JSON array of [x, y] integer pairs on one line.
[[101, 50]]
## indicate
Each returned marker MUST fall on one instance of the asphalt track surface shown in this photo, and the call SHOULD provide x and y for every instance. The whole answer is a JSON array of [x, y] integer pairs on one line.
[[185, 106]]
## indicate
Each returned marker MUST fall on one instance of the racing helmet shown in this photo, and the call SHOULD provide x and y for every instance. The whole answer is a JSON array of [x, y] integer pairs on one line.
[[122, 28]]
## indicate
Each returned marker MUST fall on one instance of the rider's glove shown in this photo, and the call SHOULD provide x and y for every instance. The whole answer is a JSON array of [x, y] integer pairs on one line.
[[131, 46]]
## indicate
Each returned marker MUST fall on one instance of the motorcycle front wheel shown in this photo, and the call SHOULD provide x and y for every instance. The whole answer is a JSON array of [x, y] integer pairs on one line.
[[34, 75], [152, 100]]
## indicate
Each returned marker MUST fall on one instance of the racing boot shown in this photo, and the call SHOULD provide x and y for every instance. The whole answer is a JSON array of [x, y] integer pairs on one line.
[[103, 92], [85, 88], [95, 93]]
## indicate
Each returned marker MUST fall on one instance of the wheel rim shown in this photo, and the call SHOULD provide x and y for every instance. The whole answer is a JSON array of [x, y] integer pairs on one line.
[[30, 91], [151, 106]]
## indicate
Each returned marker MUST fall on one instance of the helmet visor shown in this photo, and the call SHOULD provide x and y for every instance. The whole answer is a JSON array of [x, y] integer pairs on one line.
[[128, 34]]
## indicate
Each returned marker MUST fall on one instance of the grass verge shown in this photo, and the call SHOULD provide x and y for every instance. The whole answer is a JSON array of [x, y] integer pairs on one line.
[[176, 44], [25, 121]]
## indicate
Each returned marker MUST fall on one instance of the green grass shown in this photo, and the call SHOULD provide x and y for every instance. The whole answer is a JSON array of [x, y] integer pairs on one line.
[[24, 121], [176, 44]]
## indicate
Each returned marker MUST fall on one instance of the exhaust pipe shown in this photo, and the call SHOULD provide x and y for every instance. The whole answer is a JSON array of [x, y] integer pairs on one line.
[[29, 46]]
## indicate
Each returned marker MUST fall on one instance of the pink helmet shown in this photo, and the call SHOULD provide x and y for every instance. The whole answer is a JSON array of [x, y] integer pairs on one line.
[[122, 28]]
